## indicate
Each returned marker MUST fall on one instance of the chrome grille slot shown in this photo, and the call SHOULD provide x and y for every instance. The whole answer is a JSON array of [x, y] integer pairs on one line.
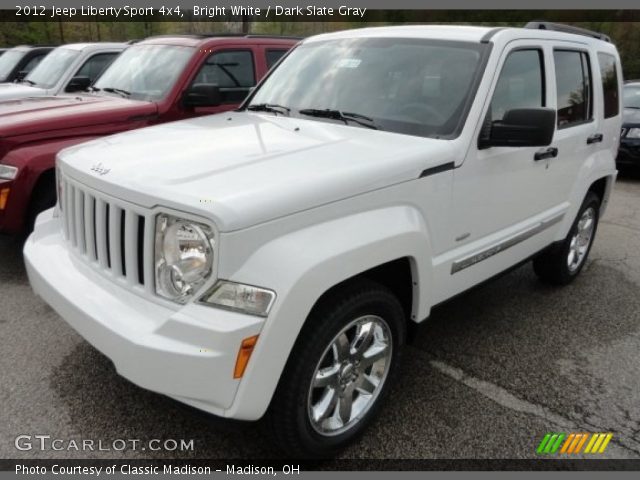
[[115, 238]]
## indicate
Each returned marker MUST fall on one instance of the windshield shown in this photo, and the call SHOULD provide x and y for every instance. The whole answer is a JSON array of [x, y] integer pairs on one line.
[[8, 62], [632, 97], [145, 72], [411, 86], [51, 69]]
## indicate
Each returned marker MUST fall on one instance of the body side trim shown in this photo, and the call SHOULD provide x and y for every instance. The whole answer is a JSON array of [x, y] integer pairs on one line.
[[489, 252]]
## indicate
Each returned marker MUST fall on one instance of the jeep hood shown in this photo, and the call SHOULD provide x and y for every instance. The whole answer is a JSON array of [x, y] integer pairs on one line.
[[10, 91], [241, 168], [45, 115], [631, 116]]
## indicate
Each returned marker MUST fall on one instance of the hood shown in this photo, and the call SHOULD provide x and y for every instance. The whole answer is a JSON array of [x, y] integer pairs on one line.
[[39, 115], [241, 168], [631, 116], [10, 91]]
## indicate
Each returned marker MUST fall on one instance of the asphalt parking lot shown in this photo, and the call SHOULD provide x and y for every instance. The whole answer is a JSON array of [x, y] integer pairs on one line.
[[487, 377]]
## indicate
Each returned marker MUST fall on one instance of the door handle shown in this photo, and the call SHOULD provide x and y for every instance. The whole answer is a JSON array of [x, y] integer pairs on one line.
[[550, 152], [595, 138]]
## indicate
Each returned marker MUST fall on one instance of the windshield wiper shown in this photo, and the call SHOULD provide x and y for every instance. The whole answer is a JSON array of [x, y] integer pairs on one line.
[[269, 107], [26, 80], [340, 115], [123, 93]]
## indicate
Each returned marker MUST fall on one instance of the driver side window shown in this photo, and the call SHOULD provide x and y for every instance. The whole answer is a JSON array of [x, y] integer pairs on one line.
[[233, 71], [520, 85]]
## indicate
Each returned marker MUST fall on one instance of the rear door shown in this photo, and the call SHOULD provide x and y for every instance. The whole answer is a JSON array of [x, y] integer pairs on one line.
[[578, 104], [610, 81]]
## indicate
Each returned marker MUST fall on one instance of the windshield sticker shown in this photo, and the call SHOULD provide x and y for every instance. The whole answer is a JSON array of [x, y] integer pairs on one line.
[[349, 63]]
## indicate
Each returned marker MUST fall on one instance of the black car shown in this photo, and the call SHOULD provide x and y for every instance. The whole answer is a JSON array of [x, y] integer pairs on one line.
[[629, 153], [16, 62]]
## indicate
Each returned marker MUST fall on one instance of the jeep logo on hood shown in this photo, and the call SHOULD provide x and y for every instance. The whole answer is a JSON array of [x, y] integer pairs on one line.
[[100, 169]]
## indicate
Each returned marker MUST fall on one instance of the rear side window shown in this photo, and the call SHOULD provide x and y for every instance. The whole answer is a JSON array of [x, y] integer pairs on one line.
[[273, 56], [609, 75], [573, 86], [93, 67], [520, 85], [232, 71]]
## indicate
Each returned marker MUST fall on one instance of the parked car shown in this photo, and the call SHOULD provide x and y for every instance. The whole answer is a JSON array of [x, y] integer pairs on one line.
[[629, 152], [17, 62], [70, 68], [271, 260], [154, 81]]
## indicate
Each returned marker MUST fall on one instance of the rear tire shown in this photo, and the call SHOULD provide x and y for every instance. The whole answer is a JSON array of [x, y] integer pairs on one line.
[[339, 371], [561, 263]]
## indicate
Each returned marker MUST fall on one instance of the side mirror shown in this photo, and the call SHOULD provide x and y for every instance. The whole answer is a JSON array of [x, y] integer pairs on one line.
[[21, 74], [77, 84], [202, 95], [520, 127]]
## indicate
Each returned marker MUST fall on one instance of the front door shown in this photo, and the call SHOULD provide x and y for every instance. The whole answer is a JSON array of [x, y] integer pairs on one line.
[[500, 193]]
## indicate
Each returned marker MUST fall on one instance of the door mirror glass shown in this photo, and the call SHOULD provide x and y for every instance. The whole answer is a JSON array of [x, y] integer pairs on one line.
[[520, 127], [78, 84], [202, 95]]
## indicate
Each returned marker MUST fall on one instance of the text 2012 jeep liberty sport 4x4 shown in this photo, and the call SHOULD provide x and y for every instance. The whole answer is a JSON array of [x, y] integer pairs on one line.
[[270, 260]]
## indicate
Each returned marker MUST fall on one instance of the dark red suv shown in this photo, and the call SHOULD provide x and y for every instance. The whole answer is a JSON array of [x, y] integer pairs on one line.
[[157, 80]]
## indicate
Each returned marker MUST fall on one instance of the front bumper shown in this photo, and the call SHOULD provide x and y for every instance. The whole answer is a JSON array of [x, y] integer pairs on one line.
[[629, 152], [187, 353]]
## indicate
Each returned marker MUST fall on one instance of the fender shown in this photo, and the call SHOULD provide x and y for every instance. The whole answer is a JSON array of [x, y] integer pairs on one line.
[[32, 160], [599, 165], [320, 257]]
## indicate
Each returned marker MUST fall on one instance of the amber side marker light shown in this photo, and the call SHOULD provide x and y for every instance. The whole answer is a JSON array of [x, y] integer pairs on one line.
[[244, 354], [4, 195]]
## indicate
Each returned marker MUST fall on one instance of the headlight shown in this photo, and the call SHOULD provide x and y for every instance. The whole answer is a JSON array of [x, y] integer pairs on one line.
[[240, 298], [8, 172], [633, 133], [183, 257]]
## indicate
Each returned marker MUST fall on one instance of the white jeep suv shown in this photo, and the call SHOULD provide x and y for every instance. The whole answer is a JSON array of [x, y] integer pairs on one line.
[[270, 260]]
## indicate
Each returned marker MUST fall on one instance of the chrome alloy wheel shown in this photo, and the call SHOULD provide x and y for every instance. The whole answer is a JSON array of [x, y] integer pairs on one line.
[[581, 239], [350, 375]]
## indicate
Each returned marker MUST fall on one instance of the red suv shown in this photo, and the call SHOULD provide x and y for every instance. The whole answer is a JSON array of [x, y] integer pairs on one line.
[[157, 80]]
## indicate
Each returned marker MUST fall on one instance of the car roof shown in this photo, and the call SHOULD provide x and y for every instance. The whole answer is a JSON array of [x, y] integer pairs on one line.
[[26, 48], [460, 33], [93, 46], [204, 41]]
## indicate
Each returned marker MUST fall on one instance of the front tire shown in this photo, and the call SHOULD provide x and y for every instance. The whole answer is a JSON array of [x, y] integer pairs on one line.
[[339, 371], [561, 264]]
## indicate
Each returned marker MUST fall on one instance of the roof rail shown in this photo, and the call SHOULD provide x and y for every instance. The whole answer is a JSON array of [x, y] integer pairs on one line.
[[560, 27], [222, 35]]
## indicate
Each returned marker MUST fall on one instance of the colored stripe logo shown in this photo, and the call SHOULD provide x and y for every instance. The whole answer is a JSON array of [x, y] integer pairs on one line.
[[574, 443]]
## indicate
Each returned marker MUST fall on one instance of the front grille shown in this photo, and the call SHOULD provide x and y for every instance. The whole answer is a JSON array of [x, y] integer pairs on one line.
[[114, 236]]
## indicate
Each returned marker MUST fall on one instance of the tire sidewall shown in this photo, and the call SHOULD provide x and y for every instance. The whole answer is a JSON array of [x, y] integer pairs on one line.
[[591, 201], [393, 317]]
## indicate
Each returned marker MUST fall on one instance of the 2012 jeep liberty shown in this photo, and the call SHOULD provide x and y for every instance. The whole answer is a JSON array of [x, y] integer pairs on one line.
[[269, 261]]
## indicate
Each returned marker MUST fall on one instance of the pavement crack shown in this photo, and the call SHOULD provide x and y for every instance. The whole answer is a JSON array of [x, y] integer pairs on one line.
[[507, 400]]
